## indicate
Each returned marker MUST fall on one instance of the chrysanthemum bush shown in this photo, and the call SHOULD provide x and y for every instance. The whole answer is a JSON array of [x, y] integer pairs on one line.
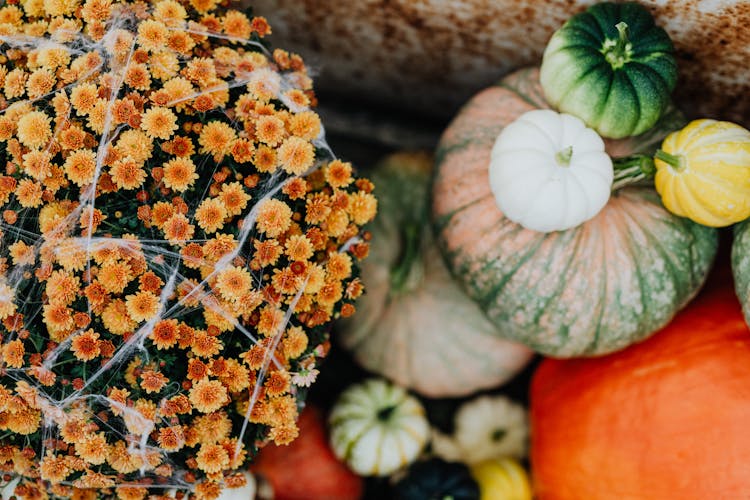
[[176, 239]]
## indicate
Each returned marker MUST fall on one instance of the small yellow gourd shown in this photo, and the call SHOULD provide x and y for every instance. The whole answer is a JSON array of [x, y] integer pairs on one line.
[[502, 478], [703, 172]]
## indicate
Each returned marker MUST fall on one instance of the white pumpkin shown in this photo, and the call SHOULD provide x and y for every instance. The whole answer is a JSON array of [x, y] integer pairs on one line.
[[8, 490], [415, 325], [549, 172], [246, 492], [378, 428], [486, 427]]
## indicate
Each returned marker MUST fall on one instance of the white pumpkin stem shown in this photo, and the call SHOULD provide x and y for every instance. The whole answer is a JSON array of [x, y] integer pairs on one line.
[[563, 156]]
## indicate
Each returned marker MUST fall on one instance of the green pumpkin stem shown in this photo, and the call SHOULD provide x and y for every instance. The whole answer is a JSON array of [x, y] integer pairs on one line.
[[619, 52], [412, 240], [384, 414], [632, 169], [563, 156], [673, 161]]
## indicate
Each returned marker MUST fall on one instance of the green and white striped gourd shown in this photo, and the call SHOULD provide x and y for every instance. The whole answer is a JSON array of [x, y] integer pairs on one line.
[[377, 428]]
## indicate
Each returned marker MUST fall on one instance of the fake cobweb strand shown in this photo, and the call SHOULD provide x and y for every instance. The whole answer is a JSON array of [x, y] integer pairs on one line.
[[54, 408]]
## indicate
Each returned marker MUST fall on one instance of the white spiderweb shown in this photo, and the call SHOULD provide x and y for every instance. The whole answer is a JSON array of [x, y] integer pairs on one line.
[[163, 259]]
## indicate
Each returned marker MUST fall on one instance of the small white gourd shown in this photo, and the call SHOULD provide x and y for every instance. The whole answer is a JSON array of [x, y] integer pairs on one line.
[[378, 428], [549, 172], [487, 427]]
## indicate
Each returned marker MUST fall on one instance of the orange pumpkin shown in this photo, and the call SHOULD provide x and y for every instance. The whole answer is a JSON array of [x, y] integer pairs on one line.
[[307, 468], [664, 419], [589, 290]]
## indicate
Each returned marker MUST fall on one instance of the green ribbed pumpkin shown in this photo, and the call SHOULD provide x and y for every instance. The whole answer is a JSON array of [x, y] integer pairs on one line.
[[415, 325], [612, 67], [741, 265], [589, 290]]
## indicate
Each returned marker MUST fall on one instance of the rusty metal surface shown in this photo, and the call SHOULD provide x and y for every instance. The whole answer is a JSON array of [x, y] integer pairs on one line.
[[432, 55]]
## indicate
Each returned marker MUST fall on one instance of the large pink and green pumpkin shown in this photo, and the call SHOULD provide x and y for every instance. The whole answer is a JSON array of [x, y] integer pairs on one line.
[[586, 291], [415, 325], [741, 265]]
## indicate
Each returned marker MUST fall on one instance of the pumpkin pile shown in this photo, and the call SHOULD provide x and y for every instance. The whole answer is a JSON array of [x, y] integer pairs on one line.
[[574, 211], [176, 239], [549, 220]]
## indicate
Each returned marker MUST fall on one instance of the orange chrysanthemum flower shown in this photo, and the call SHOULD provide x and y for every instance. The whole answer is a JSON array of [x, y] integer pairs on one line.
[[54, 468], [210, 215], [212, 458], [138, 77], [142, 306], [265, 159], [216, 138], [237, 24], [274, 217], [362, 207], [115, 276], [202, 71], [179, 174], [270, 130], [298, 247], [85, 345], [339, 266], [161, 212], [165, 333], [135, 144], [234, 198], [84, 97], [197, 369], [178, 230], [171, 438], [271, 319], [80, 166], [127, 173], [58, 318], [208, 396], [204, 6], [93, 448], [153, 381], [152, 35], [339, 174], [294, 343], [233, 282], [296, 155], [182, 146], [37, 164], [21, 253], [159, 123], [267, 252], [29, 193], [277, 383], [305, 125], [205, 345], [34, 129], [13, 352]]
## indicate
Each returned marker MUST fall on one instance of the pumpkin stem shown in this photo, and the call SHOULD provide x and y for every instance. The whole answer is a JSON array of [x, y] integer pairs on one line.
[[618, 52], [384, 414], [674, 161], [563, 156], [632, 169], [400, 273]]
